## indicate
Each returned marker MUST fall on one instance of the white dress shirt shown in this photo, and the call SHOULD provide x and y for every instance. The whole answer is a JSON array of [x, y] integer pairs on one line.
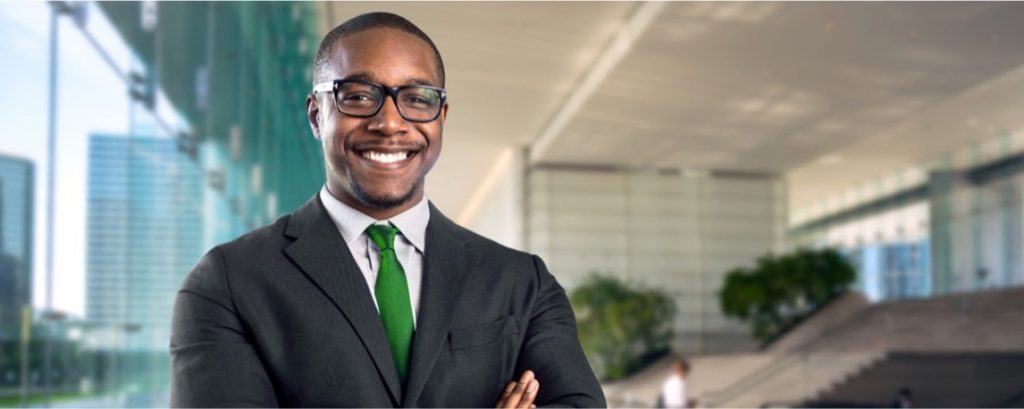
[[674, 391], [409, 243]]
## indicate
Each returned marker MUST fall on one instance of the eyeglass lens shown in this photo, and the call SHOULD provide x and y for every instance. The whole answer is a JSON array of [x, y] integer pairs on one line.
[[414, 103]]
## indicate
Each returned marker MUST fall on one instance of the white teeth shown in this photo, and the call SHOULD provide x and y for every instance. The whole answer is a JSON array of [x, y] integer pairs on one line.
[[385, 157]]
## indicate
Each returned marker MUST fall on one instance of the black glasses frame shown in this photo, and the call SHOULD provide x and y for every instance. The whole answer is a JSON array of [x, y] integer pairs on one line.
[[334, 85]]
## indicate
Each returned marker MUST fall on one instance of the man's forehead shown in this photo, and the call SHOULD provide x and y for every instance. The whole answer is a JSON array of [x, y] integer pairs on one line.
[[384, 55]]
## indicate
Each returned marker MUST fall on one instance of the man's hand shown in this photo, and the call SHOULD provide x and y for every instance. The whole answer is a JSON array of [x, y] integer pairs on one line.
[[520, 394]]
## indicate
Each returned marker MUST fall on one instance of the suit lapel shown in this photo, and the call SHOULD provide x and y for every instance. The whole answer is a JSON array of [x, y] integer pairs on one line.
[[448, 265], [325, 258]]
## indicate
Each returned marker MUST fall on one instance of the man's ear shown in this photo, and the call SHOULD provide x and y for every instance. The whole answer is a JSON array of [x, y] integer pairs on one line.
[[313, 114], [444, 114]]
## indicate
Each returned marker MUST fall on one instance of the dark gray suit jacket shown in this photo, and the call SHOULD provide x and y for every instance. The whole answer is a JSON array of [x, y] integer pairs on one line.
[[282, 316]]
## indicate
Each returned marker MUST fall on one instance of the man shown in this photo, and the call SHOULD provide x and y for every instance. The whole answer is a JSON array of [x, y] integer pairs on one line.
[[904, 399], [367, 295], [673, 391]]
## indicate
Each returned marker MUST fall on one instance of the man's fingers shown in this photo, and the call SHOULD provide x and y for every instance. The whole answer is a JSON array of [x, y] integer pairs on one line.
[[508, 390], [519, 392], [517, 395], [504, 395], [530, 395], [526, 378]]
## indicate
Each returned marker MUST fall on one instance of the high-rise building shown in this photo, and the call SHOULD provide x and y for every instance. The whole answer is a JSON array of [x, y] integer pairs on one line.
[[16, 204], [144, 229]]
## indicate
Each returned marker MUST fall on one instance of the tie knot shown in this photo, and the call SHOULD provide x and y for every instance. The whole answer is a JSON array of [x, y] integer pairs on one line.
[[382, 235]]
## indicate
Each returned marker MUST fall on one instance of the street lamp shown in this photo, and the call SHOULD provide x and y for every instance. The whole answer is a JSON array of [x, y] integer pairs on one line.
[[77, 11]]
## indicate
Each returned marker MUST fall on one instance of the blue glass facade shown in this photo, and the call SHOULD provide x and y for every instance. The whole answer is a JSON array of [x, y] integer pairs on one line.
[[16, 204], [892, 271], [144, 226]]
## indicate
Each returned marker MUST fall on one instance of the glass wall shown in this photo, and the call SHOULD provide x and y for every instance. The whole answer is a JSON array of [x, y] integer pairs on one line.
[[956, 230], [678, 233], [160, 149]]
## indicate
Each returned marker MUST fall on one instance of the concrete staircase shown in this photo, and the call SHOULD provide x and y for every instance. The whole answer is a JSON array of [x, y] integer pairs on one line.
[[852, 341], [793, 378], [936, 379], [840, 345], [709, 373]]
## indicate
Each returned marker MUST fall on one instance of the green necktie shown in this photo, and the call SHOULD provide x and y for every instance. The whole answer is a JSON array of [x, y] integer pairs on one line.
[[392, 292]]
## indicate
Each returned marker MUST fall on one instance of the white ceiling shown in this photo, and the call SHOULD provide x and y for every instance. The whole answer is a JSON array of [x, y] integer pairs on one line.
[[828, 94]]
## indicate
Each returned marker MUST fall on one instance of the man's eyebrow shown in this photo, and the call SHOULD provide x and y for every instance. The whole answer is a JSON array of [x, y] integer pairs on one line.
[[360, 76], [421, 81]]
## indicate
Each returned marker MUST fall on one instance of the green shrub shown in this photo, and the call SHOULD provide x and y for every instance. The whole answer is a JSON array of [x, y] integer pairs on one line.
[[622, 328], [781, 291]]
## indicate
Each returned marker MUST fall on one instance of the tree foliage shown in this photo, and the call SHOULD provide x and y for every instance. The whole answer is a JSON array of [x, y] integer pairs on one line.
[[781, 291], [621, 327]]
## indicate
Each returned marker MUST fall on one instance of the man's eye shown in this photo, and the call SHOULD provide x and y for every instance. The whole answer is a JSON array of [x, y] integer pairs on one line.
[[420, 100], [416, 100], [357, 98]]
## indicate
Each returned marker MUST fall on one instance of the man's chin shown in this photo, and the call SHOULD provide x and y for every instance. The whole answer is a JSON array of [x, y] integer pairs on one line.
[[384, 202], [380, 200]]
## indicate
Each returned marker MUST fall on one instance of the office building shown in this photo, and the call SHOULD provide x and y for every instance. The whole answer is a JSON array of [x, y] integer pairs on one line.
[[17, 178], [144, 227]]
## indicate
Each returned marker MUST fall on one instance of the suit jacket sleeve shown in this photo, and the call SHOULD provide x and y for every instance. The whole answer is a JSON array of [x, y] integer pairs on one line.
[[213, 361], [552, 349]]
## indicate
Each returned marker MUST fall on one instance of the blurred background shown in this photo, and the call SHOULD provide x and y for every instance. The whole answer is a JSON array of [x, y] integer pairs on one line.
[[816, 204]]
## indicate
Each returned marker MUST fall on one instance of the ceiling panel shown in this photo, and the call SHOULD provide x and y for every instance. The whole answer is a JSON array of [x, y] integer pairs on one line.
[[828, 94], [773, 87]]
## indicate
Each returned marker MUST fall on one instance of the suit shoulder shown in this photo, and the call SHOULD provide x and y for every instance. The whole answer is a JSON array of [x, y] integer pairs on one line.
[[211, 277], [492, 250], [261, 240]]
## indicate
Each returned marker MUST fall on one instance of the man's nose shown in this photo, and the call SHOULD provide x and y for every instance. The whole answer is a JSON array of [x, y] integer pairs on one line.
[[388, 121]]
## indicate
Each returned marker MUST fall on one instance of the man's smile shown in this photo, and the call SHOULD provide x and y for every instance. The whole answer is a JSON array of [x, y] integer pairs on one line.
[[387, 158]]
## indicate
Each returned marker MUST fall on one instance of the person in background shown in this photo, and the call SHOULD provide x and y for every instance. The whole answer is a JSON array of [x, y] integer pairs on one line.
[[673, 392], [904, 399]]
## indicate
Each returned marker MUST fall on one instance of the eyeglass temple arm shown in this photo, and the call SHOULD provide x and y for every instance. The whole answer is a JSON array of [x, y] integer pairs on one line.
[[323, 87]]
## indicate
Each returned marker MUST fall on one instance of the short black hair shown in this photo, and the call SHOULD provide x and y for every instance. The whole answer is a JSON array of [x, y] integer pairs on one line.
[[684, 363], [369, 21]]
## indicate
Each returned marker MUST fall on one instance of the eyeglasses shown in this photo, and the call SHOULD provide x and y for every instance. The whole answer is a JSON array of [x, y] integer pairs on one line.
[[361, 99]]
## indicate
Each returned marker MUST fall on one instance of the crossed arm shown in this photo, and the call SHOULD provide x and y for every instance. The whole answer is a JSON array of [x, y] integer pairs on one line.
[[552, 348], [207, 334], [551, 353]]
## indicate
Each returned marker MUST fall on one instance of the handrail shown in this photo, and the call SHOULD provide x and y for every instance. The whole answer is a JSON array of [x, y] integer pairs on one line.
[[754, 378], [761, 374]]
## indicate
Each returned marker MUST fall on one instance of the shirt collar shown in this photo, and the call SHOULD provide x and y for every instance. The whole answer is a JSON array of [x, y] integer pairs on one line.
[[352, 223]]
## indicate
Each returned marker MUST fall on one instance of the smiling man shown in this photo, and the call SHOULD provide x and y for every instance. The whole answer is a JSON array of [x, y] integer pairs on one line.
[[367, 295]]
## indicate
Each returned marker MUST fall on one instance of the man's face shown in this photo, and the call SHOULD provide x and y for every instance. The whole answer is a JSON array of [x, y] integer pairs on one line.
[[356, 172]]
